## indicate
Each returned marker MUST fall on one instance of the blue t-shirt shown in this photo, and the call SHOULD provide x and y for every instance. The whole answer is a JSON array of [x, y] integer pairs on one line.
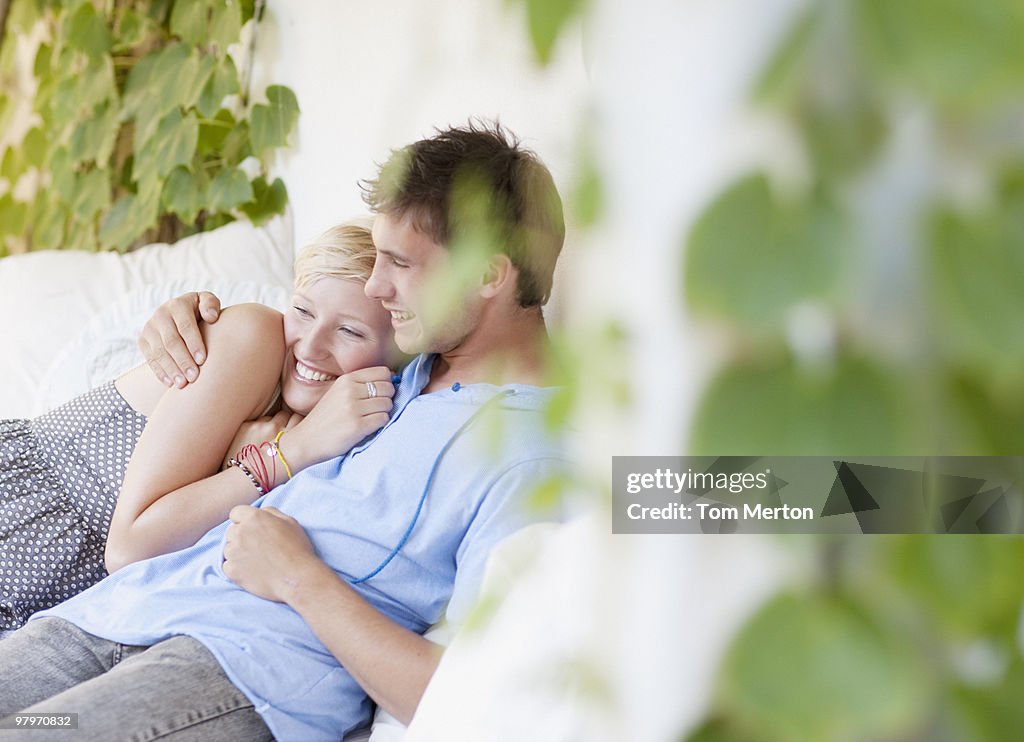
[[355, 510]]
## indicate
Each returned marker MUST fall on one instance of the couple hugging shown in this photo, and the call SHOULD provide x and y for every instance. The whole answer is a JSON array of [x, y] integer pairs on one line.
[[281, 527]]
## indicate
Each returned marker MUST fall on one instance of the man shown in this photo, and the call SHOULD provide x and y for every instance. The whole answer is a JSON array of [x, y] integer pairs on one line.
[[276, 622]]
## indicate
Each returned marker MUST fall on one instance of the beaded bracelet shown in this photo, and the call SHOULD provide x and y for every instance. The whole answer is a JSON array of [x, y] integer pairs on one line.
[[251, 455], [245, 470]]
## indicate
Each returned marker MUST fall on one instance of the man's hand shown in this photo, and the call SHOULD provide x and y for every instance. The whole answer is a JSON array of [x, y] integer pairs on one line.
[[356, 405], [171, 341], [267, 553]]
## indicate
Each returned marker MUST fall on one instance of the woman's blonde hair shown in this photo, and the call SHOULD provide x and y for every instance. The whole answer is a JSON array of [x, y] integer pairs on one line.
[[344, 251]]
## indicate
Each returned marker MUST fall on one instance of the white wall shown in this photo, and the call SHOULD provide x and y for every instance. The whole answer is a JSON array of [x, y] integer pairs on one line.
[[370, 76]]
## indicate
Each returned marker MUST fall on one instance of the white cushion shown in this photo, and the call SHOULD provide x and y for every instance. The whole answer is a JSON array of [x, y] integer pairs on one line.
[[106, 347], [47, 297]]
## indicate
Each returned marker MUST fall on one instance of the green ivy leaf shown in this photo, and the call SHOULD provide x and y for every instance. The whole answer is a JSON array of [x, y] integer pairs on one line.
[[271, 124], [13, 165], [87, 31], [213, 133], [173, 144], [13, 215], [268, 201], [132, 30], [855, 408], [817, 668], [41, 65], [222, 82], [94, 138], [190, 20], [47, 218], [81, 236], [92, 195], [229, 189], [751, 259], [783, 76], [225, 23], [127, 220], [33, 147], [62, 174], [237, 144], [184, 194], [163, 80]]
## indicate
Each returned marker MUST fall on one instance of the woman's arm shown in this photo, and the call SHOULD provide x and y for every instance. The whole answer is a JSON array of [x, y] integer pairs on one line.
[[172, 491]]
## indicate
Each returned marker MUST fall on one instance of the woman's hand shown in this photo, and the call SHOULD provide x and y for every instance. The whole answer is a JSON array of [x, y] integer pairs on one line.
[[171, 341], [356, 405], [263, 429]]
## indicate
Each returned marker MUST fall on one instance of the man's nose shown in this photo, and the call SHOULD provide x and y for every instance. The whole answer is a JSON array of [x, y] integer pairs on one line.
[[376, 286]]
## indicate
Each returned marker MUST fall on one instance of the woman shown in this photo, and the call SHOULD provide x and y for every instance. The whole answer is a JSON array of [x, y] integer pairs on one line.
[[182, 458]]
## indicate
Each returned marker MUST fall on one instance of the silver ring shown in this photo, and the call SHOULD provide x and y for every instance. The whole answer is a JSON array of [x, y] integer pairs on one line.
[[371, 389]]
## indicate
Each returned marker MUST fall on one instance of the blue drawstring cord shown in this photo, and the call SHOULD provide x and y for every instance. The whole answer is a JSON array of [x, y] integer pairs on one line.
[[430, 481]]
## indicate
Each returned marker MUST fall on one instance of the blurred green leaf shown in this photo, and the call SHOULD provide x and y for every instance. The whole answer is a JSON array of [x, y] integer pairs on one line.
[[843, 136], [783, 77], [62, 174], [546, 19], [163, 80], [213, 133], [994, 713], [975, 274], [229, 189], [958, 54], [271, 124], [127, 220], [47, 219], [94, 138], [222, 82], [173, 144], [190, 20], [184, 193], [814, 668], [225, 23], [855, 408], [12, 165], [268, 201], [750, 259], [133, 29], [33, 147], [92, 195], [13, 215], [987, 422], [968, 586], [88, 31]]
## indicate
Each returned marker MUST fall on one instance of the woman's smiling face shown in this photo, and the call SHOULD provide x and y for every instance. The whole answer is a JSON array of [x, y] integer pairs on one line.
[[330, 329]]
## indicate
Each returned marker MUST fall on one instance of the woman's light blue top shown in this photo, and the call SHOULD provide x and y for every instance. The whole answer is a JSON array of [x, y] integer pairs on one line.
[[355, 510]]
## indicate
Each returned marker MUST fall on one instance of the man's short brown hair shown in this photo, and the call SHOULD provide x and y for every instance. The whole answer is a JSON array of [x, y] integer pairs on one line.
[[420, 180]]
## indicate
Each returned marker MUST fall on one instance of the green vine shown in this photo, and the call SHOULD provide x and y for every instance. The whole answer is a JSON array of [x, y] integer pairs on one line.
[[140, 125]]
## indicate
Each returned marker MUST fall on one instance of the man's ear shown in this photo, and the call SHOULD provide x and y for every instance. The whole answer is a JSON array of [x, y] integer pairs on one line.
[[499, 275]]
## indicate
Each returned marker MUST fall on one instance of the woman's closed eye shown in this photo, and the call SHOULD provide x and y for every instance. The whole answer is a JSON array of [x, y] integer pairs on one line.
[[351, 332]]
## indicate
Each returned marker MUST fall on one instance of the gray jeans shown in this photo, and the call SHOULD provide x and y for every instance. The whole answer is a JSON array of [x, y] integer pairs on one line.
[[174, 690]]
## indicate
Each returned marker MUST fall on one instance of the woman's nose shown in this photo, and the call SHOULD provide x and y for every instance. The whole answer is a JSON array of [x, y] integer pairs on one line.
[[313, 345]]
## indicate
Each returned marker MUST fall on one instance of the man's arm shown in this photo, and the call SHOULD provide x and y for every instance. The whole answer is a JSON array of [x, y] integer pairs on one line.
[[268, 554], [171, 341]]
